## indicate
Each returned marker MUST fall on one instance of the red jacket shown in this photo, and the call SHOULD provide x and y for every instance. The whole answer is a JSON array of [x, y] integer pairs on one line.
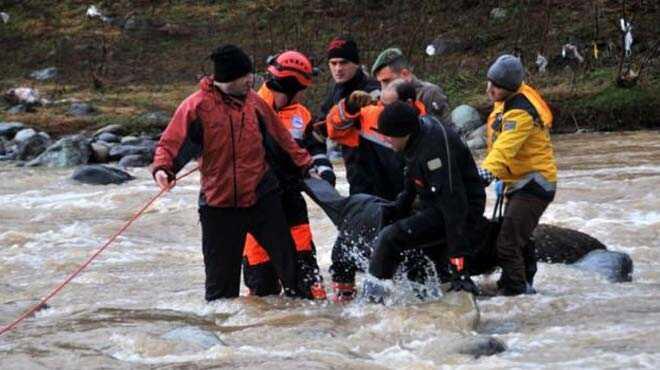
[[225, 134]]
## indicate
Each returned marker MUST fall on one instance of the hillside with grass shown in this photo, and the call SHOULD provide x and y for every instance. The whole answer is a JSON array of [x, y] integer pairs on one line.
[[144, 56]]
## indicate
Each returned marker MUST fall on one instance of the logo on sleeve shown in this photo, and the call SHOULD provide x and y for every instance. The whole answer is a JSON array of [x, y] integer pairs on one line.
[[434, 164], [509, 125], [297, 122]]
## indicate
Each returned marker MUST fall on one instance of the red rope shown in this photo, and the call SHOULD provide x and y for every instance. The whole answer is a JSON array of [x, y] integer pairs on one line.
[[57, 289]]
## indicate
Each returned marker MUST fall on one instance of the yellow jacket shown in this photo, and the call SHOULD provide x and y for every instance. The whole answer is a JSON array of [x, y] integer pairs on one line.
[[519, 146]]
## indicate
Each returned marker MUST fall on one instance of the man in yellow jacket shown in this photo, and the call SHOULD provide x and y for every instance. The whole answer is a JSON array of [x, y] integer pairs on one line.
[[520, 155]]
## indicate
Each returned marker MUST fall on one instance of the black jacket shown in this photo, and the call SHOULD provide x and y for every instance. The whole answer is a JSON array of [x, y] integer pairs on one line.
[[441, 171]]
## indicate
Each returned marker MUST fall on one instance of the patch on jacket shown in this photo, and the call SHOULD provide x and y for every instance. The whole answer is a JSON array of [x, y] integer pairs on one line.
[[509, 125], [434, 164], [297, 122]]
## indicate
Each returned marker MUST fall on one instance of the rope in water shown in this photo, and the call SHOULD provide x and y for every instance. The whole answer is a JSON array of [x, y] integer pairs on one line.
[[89, 260]]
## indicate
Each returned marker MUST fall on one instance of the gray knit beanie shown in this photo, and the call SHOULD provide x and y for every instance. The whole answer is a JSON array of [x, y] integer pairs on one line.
[[507, 72]]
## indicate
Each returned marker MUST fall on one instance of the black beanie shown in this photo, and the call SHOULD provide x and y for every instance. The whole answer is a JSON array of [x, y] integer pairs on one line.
[[398, 120], [344, 48], [230, 62]]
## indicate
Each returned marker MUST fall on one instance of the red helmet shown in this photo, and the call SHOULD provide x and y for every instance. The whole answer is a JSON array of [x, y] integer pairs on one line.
[[291, 64]]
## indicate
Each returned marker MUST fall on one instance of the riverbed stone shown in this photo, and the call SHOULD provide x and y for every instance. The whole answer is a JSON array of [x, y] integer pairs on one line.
[[617, 267], [556, 244], [79, 109], [100, 152], [98, 174], [24, 134], [31, 147], [193, 335], [115, 129], [120, 151], [135, 160], [9, 129], [44, 74], [465, 118], [108, 137], [67, 152]]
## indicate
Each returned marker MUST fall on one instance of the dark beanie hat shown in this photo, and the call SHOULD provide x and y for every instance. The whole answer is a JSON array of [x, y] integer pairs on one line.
[[398, 120], [345, 48], [506, 72], [288, 85], [230, 62]]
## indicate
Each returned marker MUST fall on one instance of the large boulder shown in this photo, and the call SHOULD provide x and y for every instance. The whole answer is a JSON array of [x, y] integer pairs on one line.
[[9, 129], [617, 267], [32, 147], [97, 174], [465, 118], [556, 244], [100, 152], [67, 152]]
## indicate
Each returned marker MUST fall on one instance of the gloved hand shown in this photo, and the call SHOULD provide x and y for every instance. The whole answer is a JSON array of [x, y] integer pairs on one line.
[[499, 188], [357, 100], [486, 176], [460, 279], [329, 177], [392, 212]]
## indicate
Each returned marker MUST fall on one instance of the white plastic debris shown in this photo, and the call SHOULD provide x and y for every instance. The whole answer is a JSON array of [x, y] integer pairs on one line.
[[5, 17], [94, 12], [430, 50], [626, 28], [542, 62], [23, 95]]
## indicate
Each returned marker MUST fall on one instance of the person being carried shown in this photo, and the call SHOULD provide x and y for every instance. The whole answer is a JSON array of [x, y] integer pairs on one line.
[[225, 125], [520, 155], [440, 171], [290, 73]]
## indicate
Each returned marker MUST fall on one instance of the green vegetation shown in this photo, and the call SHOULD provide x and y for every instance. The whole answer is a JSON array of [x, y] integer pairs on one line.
[[155, 60]]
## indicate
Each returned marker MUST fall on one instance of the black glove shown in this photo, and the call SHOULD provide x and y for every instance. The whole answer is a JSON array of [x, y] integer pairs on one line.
[[460, 279]]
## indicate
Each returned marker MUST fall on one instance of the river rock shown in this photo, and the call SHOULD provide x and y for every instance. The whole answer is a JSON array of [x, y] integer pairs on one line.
[[556, 244], [130, 140], [100, 152], [78, 109], [66, 152], [9, 129], [18, 109], [135, 160], [617, 267], [476, 139], [108, 137], [24, 134], [115, 129], [98, 174], [23, 95], [120, 151], [193, 335], [480, 346], [31, 147], [465, 118], [44, 74]]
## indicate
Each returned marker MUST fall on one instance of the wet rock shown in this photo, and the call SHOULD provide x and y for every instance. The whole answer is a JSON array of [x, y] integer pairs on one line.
[[556, 244], [120, 151], [481, 346], [9, 129], [465, 118], [98, 174], [32, 147], [23, 95], [114, 129], [82, 109], [66, 152], [108, 137], [130, 140], [476, 139], [44, 74], [135, 160], [193, 335], [24, 134], [100, 152], [617, 267]]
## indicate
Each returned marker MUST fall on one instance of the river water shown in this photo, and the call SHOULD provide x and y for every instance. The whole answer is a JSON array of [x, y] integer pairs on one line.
[[140, 304]]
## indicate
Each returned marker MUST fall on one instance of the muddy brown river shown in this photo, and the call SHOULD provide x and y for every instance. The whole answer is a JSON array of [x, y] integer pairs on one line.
[[141, 304]]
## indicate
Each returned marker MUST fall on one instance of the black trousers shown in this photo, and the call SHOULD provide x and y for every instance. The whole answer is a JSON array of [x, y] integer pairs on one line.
[[422, 230], [223, 239]]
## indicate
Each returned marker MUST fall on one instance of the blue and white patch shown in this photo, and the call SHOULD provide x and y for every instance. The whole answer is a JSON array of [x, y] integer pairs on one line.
[[297, 122], [509, 126]]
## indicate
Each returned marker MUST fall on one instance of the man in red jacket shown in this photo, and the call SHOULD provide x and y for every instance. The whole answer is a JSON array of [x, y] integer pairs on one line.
[[227, 126]]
